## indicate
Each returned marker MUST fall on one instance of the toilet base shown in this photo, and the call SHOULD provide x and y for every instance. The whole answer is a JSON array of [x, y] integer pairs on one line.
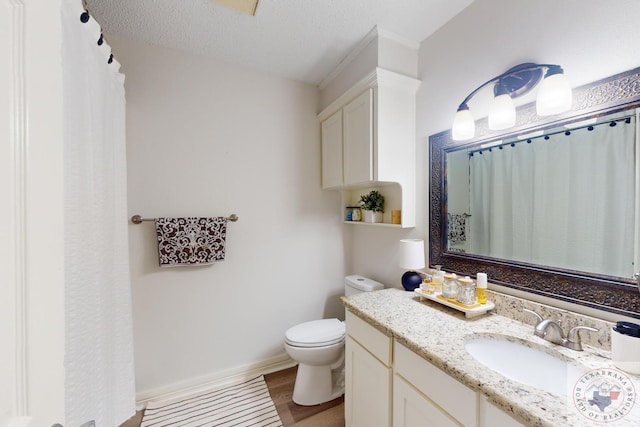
[[317, 384]]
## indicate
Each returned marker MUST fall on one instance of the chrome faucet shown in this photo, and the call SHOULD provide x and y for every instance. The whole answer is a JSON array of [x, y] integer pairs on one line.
[[550, 330]]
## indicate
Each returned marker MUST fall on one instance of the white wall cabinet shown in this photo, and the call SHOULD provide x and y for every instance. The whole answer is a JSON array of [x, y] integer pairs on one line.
[[388, 384], [358, 140], [347, 144], [332, 171], [368, 139]]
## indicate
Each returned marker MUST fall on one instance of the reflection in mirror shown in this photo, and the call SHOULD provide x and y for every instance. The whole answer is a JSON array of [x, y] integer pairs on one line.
[[563, 198]]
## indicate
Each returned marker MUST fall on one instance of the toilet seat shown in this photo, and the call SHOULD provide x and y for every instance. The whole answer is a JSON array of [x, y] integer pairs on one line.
[[316, 333]]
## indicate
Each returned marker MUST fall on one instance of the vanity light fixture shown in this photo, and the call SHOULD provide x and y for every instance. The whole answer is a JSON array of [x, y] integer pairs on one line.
[[554, 97]]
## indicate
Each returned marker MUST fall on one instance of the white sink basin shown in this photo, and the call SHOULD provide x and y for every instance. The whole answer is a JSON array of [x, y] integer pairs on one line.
[[519, 362]]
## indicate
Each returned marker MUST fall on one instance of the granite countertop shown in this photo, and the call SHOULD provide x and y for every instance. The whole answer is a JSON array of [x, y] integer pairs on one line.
[[438, 334]]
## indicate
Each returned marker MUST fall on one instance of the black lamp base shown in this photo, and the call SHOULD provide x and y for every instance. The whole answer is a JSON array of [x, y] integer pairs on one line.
[[411, 280]]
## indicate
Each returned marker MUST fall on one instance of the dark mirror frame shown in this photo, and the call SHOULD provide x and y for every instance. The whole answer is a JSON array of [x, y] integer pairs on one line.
[[612, 294]]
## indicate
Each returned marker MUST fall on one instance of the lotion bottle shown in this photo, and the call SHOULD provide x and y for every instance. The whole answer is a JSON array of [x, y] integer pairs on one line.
[[481, 286]]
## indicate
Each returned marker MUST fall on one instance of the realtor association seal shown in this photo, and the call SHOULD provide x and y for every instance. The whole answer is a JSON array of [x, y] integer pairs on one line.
[[604, 395]]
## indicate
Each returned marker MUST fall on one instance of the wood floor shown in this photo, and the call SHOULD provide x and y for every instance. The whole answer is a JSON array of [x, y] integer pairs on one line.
[[330, 414], [280, 384]]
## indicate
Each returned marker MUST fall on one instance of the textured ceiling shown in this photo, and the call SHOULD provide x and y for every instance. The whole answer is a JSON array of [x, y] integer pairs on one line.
[[298, 39]]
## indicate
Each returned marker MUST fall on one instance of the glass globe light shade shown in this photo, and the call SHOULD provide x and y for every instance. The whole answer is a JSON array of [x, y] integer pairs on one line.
[[464, 126], [502, 112], [554, 95]]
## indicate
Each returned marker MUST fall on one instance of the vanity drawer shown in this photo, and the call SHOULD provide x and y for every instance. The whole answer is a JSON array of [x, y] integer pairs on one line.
[[370, 338], [455, 398]]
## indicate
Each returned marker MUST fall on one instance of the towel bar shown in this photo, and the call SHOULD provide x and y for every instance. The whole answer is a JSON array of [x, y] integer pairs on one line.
[[137, 219]]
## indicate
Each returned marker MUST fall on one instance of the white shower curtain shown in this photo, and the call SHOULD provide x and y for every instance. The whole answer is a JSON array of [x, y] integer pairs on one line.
[[566, 202], [99, 376]]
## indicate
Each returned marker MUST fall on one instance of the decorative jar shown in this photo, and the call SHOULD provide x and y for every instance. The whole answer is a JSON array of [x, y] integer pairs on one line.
[[467, 292], [450, 287]]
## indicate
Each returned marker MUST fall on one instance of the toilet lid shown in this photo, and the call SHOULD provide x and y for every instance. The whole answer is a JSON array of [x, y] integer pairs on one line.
[[316, 333]]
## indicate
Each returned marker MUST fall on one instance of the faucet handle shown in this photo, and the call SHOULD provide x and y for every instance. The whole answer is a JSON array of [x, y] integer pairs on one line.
[[573, 339], [540, 319], [573, 333]]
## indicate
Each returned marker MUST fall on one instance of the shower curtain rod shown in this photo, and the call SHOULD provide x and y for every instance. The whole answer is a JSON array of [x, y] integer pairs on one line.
[[567, 132], [137, 219]]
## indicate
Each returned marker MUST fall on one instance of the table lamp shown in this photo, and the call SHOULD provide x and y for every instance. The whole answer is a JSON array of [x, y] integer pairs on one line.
[[411, 258]]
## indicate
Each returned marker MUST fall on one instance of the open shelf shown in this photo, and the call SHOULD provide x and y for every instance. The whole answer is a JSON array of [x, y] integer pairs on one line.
[[394, 199], [375, 224]]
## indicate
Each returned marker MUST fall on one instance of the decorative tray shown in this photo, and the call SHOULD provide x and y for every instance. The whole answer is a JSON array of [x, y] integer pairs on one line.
[[469, 311]]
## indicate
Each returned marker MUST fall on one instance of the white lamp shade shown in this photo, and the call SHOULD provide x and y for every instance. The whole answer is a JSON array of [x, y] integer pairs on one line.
[[554, 95], [412, 254], [502, 112], [464, 126]]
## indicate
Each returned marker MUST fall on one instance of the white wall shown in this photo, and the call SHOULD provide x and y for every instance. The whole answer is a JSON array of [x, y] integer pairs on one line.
[[590, 39], [207, 138]]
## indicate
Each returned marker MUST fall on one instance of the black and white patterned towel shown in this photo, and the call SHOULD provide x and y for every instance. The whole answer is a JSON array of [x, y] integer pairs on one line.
[[457, 227], [190, 241]]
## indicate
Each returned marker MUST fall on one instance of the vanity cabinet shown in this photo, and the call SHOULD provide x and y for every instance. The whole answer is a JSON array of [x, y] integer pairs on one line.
[[368, 139], [387, 384], [490, 415], [424, 390], [367, 399], [411, 408]]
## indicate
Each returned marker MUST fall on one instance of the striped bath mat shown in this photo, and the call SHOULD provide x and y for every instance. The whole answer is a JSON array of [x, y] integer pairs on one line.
[[243, 405]]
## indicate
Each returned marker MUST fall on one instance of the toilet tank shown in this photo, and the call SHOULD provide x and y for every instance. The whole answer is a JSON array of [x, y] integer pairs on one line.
[[355, 284]]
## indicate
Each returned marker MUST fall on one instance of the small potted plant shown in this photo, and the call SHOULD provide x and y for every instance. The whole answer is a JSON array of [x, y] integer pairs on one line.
[[373, 205]]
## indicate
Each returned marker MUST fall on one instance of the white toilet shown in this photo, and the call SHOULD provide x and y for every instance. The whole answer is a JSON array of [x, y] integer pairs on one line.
[[318, 347]]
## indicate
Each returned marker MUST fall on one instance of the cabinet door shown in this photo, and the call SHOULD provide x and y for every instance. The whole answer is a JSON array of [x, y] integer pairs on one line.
[[332, 151], [490, 416], [367, 398], [453, 397], [412, 409], [358, 139]]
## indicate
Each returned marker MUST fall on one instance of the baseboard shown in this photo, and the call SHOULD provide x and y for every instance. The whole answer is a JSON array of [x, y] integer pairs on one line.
[[216, 380]]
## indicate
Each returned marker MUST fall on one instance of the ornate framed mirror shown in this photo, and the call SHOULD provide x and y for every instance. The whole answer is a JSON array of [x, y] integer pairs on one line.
[[470, 233]]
